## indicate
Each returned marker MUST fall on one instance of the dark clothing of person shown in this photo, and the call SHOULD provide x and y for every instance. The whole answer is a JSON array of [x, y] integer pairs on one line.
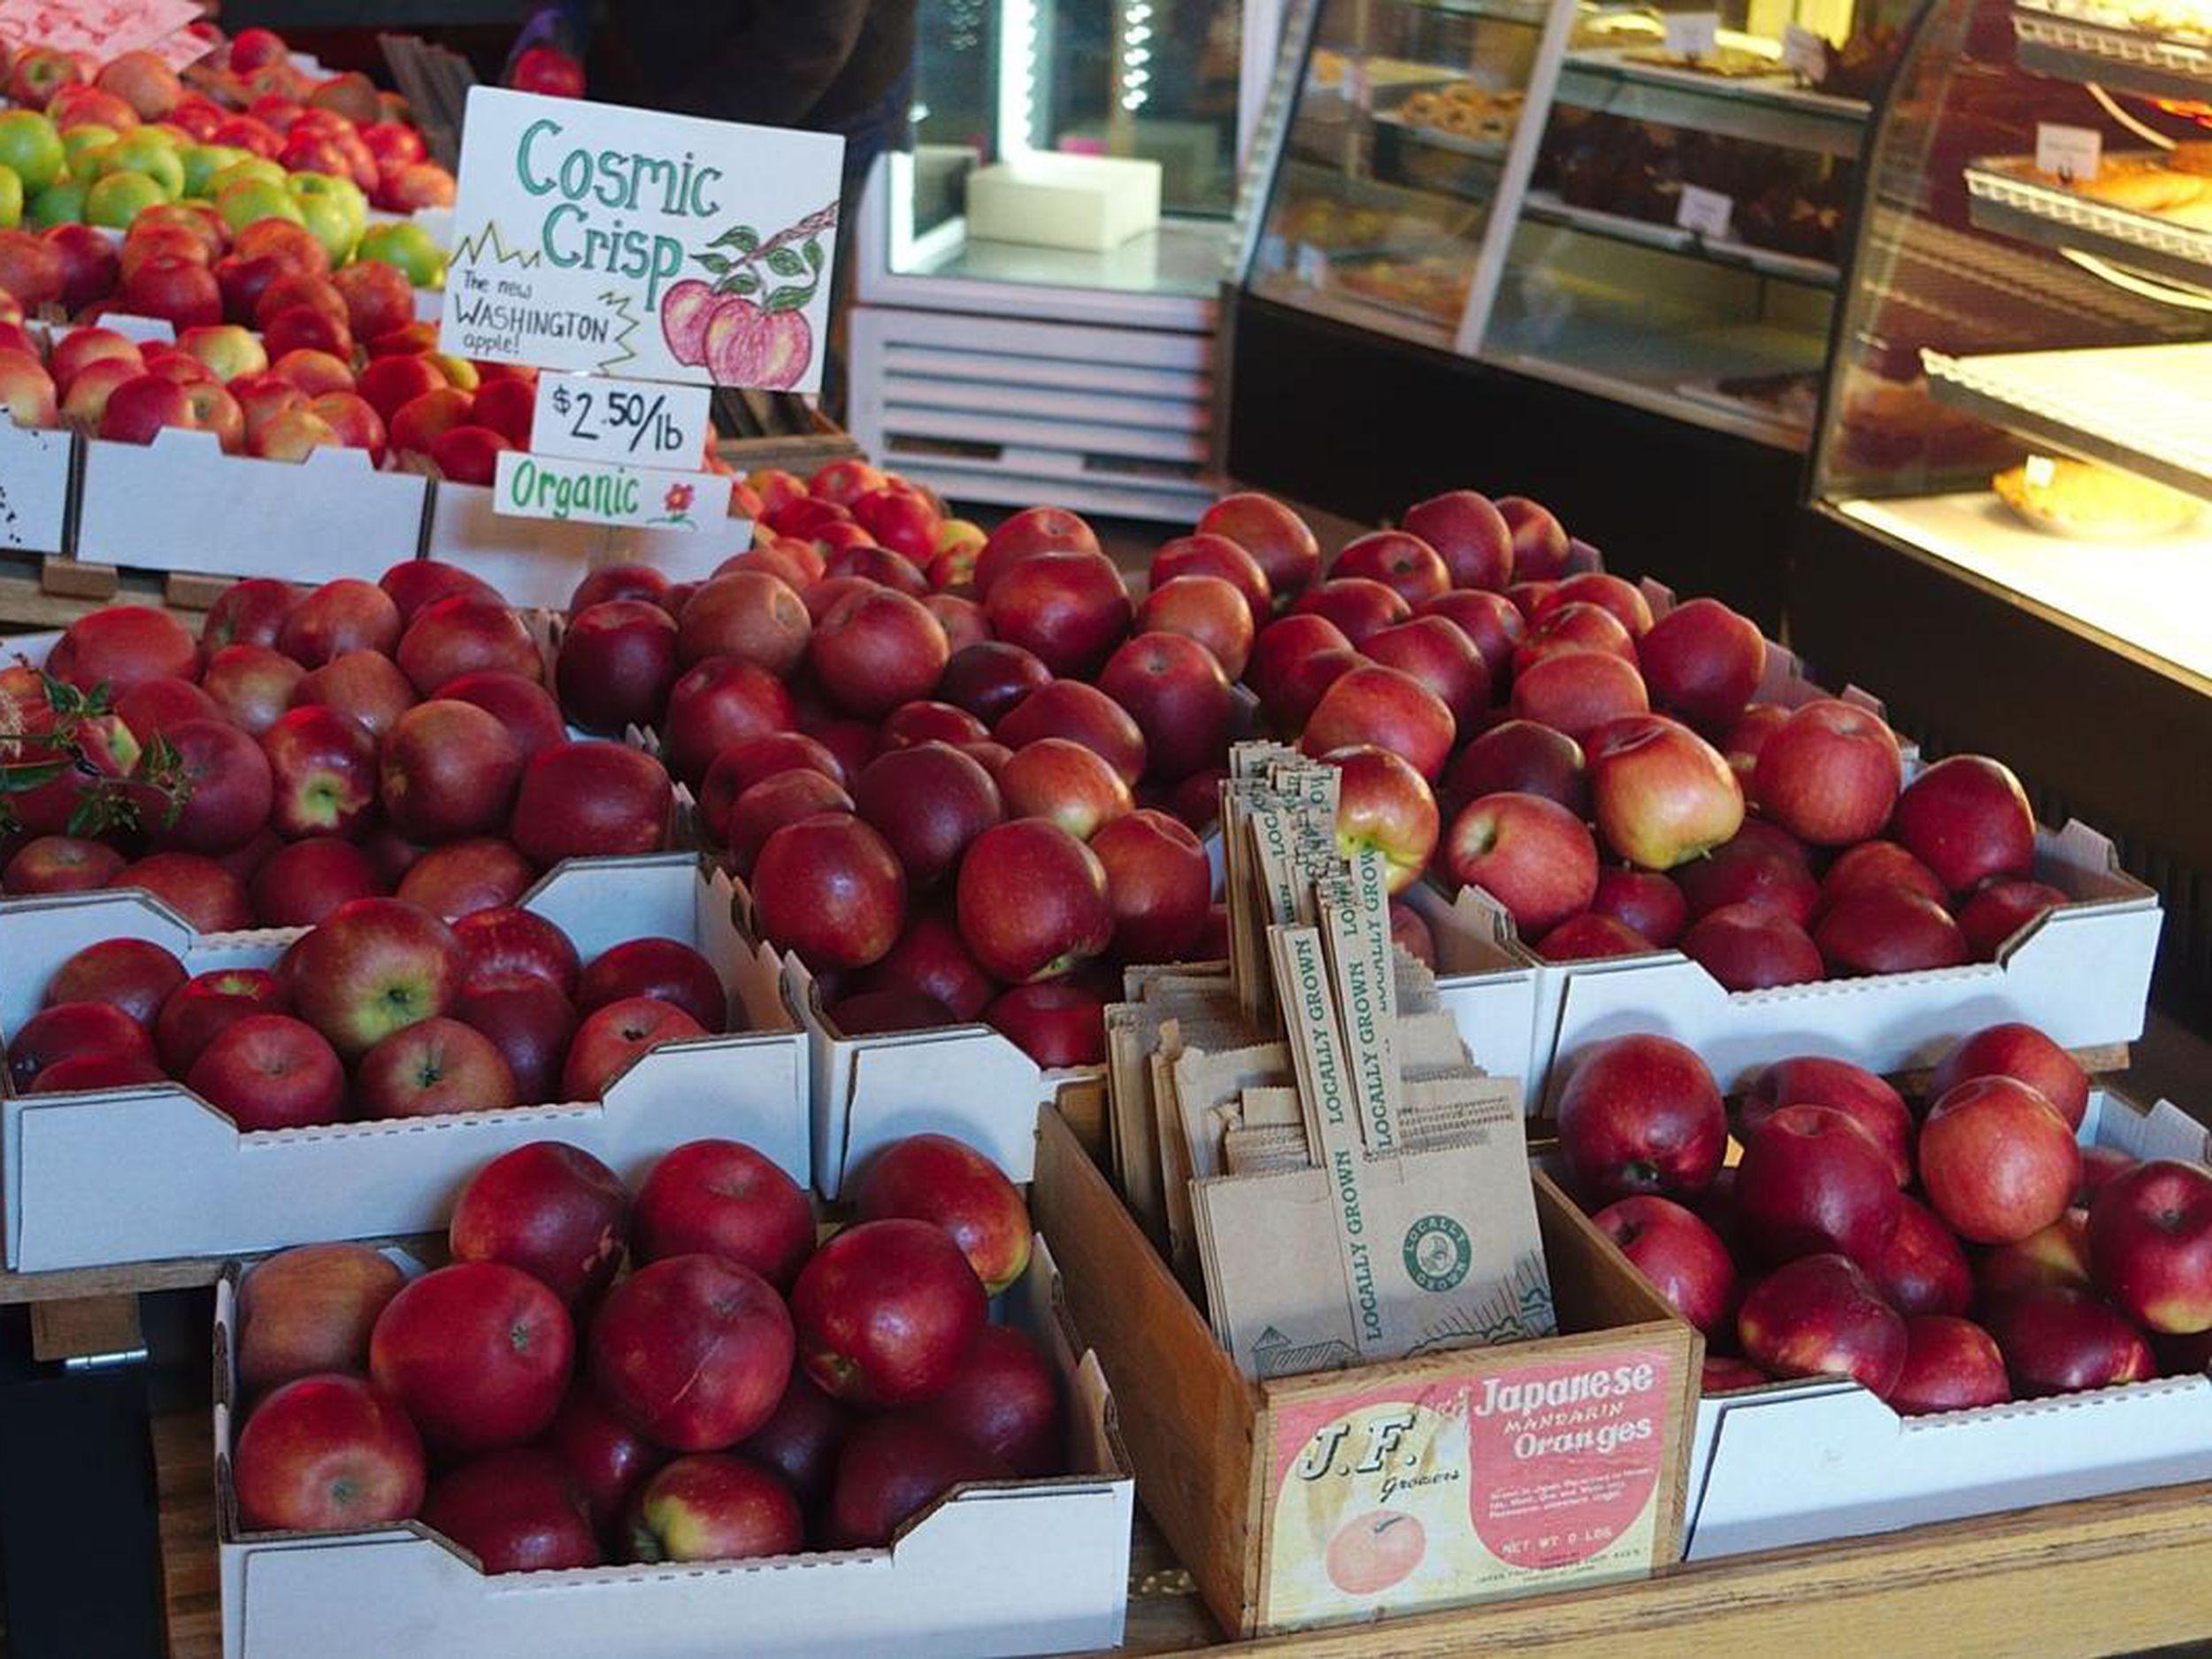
[[819, 64]]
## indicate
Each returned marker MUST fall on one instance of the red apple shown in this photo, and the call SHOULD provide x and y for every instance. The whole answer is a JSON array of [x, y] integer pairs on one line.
[[528, 1020], [1951, 1365], [553, 1210], [1082, 714], [506, 943], [593, 799], [373, 967], [894, 1467], [754, 616], [613, 1038], [1206, 609], [1812, 1181], [1176, 692], [1821, 1316], [1069, 609], [1006, 1401], [693, 1350], [134, 974], [1997, 912], [667, 970], [1471, 535], [1399, 559], [364, 685], [2058, 1341], [1684, 1259], [1879, 863], [59, 863], [1359, 606], [722, 1198], [478, 1353], [249, 612], [2058, 1255], [1745, 870], [460, 635], [448, 770], [1641, 1114], [714, 1507], [1540, 545], [518, 1509], [2150, 1245], [1590, 937], [1859, 1095], [1829, 774], [1888, 930], [1386, 707], [936, 1179], [1998, 1160], [1702, 663], [1662, 794], [1033, 900], [300, 884], [123, 646], [1277, 538], [1057, 1023], [1026, 534], [767, 806], [1521, 757], [1577, 692], [1216, 556], [1922, 1270], [989, 679], [1968, 819], [326, 1453], [198, 889], [1623, 599], [66, 1030], [1062, 781], [929, 800], [270, 1072], [2025, 1054], [1531, 854], [607, 1460], [932, 961], [713, 705], [927, 721], [831, 889], [433, 1068], [1576, 627], [311, 1310], [1752, 948], [1383, 806], [203, 1006], [1642, 900], [251, 685], [460, 878], [886, 1311]]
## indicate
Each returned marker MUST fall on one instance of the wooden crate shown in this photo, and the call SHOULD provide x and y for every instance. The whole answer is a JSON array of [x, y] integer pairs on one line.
[[1210, 1443]]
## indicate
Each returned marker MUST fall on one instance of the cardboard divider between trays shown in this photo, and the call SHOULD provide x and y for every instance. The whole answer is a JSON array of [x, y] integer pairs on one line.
[[1205, 1439], [152, 1173], [993, 1568], [1806, 1462]]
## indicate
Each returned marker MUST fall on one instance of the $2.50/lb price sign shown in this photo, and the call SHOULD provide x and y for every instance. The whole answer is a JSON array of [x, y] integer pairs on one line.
[[642, 423], [541, 485]]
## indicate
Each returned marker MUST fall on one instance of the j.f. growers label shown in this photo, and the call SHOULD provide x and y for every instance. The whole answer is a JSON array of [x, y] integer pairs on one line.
[[1503, 1482], [601, 240]]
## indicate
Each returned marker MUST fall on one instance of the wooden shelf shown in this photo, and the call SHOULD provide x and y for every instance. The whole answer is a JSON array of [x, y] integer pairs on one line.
[[2108, 1576]]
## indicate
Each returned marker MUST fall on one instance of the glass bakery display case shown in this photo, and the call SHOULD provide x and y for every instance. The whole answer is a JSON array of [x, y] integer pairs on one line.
[[1645, 205], [2023, 386], [2010, 525]]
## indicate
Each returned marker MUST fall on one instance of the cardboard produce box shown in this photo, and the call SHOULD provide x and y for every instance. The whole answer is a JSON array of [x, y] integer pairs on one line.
[[539, 561], [1337, 1496], [35, 465], [153, 1171], [180, 504], [1804, 1461], [1000, 1568]]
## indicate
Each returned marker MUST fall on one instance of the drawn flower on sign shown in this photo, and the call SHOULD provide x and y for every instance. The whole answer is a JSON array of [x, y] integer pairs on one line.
[[679, 498], [748, 325]]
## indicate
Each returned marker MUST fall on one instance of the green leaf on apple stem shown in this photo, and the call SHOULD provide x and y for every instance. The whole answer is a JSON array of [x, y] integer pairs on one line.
[[788, 299], [784, 263], [744, 238], [813, 251], [21, 779], [741, 283], [714, 262]]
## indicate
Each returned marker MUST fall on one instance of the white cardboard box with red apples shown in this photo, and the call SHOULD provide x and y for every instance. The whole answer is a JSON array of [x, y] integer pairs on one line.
[[539, 561], [1018, 1567], [180, 504], [152, 1173], [1802, 1461]]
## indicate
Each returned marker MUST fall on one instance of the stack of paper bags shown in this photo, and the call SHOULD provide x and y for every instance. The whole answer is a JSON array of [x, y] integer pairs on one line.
[[1303, 1131]]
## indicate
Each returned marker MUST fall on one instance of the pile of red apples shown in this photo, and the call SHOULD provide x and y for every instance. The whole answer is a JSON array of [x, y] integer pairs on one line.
[[382, 1009], [362, 739], [738, 1393], [276, 354], [1965, 1254], [1606, 776]]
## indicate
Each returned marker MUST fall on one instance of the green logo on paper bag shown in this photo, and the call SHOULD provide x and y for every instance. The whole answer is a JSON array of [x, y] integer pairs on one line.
[[1438, 1253]]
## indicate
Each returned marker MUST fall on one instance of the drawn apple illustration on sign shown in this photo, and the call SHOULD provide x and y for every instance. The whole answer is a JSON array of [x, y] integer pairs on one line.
[[747, 326]]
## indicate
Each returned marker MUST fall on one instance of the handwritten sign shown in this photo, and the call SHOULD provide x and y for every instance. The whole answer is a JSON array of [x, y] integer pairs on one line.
[[636, 423], [1690, 33], [1706, 212], [102, 29], [601, 240], [532, 486]]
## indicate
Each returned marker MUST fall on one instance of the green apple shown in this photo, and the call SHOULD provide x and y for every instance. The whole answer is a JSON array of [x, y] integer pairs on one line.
[[202, 162], [328, 222], [249, 200], [31, 147], [60, 203], [117, 198], [409, 246], [146, 152], [10, 198], [246, 168], [81, 146], [344, 192]]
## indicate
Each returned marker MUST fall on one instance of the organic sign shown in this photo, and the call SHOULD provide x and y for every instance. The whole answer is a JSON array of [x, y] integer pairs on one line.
[[529, 486], [609, 241]]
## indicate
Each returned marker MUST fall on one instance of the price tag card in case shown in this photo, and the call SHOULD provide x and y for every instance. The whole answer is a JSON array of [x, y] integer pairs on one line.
[[636, 423], [1805, 51], [1707, 212], [601, 240], [1692, 33], [2070, 153]]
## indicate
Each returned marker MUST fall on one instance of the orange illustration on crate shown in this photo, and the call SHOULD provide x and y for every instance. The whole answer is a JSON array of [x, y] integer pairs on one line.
[[1374, 1551]]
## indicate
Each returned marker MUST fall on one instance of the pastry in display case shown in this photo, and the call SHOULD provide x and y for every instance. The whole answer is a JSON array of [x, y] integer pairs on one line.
[[2018, 395]]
